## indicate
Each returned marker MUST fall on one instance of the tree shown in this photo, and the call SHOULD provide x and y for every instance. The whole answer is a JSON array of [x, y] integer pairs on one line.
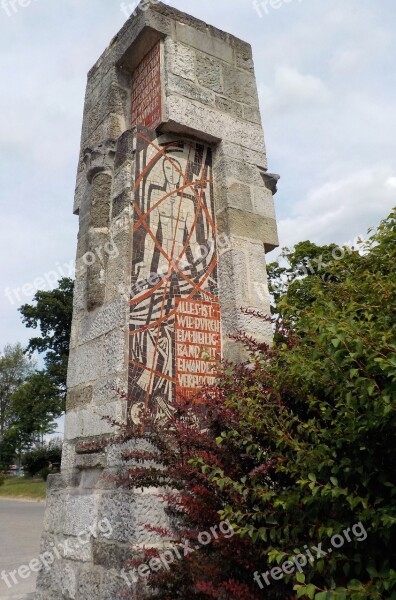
[[43, 457], [300, 269], [52, 313], [296, 449], [14, 370], [33, 407]]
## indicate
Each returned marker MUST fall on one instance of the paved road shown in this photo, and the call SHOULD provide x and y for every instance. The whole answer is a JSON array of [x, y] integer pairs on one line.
[[20, 530]]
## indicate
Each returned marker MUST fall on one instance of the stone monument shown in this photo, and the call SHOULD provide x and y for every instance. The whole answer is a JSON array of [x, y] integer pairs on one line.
[[175, 208]]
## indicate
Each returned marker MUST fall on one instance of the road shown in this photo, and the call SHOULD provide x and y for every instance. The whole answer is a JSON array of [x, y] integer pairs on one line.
[[20, 530]]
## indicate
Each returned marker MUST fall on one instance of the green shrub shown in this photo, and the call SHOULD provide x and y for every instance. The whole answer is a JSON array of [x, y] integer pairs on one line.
[[43, 457], [44, 473]]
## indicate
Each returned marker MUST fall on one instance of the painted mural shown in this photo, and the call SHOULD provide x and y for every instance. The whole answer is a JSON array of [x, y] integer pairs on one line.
[[175, 332]]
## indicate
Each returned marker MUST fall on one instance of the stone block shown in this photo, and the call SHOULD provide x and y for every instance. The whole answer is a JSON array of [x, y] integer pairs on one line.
[[95, 286], [190, 90], [113, 101], [249, 225], [90, 463], [112, 555], [80, 512], [95, 420], [115, 453], [130, 514], [229, 106], [235, 195], [91, 474], [244, 58], [238, 152], [65, 576], [187, 116], [124, 198], [54, 513], [240, 85], [85, 364], [89, 584], [251, 113], [200, 40], [115, 352], [263, 203], [106, 319], [114, 587], [125, 150], [79, 397], [209, 73], [104, 389], [230, 169], [79, 300], [81, 192], [68, 455], [100, 200], [180, 59]]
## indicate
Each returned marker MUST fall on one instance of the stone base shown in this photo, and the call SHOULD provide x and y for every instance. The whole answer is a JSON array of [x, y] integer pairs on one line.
[[93, 527]]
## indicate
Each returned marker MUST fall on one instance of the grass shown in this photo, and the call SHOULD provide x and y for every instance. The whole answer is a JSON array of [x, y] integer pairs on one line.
[[29, 489]]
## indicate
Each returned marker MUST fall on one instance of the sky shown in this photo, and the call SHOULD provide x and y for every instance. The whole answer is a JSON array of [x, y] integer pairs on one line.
[[326, 76]]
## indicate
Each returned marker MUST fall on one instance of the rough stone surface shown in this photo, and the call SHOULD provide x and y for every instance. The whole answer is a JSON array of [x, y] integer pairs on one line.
[[209, 98]]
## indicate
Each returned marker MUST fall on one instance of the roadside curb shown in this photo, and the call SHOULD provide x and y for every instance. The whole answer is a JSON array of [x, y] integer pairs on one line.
[[19, 499]]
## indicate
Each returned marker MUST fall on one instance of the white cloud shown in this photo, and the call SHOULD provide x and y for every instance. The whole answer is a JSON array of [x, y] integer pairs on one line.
[[341, 209], [292, 89]]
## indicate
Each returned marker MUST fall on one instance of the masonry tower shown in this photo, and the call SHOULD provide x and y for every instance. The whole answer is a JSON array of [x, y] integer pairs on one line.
[[175, 208]]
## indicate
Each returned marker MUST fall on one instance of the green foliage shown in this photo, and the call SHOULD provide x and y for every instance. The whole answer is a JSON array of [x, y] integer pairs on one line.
[[320, 426], [52, 313], [305, 444], [299, 270], [34, 406], [40, 459], [14, 370], [2, 479], [44, 473]]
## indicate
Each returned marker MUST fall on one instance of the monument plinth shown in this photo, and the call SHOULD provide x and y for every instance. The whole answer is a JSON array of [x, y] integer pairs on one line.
[[175, 207]]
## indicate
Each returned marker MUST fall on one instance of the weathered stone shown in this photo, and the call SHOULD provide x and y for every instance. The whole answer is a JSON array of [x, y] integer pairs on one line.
[[202, 41], [239, 85], [100, 200], [250, 113], [180, 59], [244, 58], [112, 555], [125, 149], [209, 72], [248, 225], [96, 325], [121, 202], [206, 147], [229, 106], [191, 90], [235, 195], [89, 584], [213, 126], [78, 397]]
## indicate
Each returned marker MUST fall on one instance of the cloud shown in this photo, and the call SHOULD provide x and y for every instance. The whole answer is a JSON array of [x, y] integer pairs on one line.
[[292, 89], [341, 209]]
